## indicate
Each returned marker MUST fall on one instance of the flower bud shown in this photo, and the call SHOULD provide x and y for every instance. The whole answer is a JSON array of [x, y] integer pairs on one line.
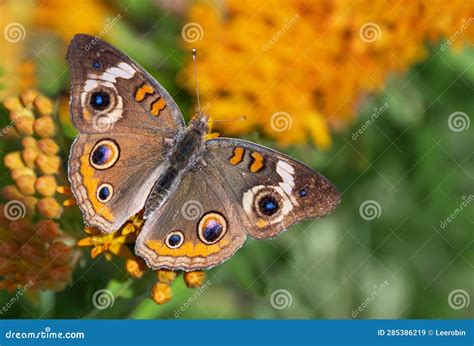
[[30, 204], [59, 252], [11, 192], [47, 230], [27, 97], [43, 105], [16, 173], [30, 155], [48, 146], [21, 230], [135, 267], [26, 184], [33, 252], [161, 293], [12, 103], [48, 164], [24, 125], [46, 185], [194, 279], [28, 142], [61, 274], [49, 208], [9, 248], [166, 276], [44, 127], [13, 160]]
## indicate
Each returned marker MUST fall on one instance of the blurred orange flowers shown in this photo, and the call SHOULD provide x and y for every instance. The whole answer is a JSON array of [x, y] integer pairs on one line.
[[296, 68], [35, 254]]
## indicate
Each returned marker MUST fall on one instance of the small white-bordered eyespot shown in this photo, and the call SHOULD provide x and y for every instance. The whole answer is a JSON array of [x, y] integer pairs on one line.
[[212, 227], [174, 239], [105, 192], [104, 154]]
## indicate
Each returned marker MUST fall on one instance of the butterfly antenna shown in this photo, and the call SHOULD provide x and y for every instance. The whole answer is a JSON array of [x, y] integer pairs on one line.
[[242, 117], [196, 81]]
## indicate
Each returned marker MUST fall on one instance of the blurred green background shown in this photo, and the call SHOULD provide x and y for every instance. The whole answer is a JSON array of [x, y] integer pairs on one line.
[[407, 165]]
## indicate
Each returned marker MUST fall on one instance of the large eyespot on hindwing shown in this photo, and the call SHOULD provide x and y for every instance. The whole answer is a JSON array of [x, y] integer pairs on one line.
[[104, 192], [174, 239], [104, 154], [211, 227]]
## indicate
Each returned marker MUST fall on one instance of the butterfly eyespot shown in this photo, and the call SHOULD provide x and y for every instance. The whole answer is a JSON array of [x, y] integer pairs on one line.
[[268, 205], [303, 193], [96, 64], [268, 202], [104, 154], [175, 239], [212, 227], [105, 193], [100, 100]]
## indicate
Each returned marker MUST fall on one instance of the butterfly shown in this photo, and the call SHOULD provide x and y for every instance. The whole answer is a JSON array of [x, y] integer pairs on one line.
[[199, 198]]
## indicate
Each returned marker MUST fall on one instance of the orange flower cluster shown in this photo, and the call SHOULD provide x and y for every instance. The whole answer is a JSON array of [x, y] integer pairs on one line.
[[33, 254], [297, 68]]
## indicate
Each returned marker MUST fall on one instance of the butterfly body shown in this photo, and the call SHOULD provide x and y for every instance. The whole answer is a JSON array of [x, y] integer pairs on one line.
[[200, 198], [184, 154]]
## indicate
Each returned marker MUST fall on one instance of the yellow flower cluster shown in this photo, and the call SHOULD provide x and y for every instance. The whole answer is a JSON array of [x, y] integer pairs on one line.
[[119, 243], [34, 169], [295, 68], [34, 251]]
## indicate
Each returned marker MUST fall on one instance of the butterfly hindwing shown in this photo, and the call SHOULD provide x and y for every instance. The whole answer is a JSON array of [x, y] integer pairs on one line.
[[196, 228], [111, 176], [253, 190]]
